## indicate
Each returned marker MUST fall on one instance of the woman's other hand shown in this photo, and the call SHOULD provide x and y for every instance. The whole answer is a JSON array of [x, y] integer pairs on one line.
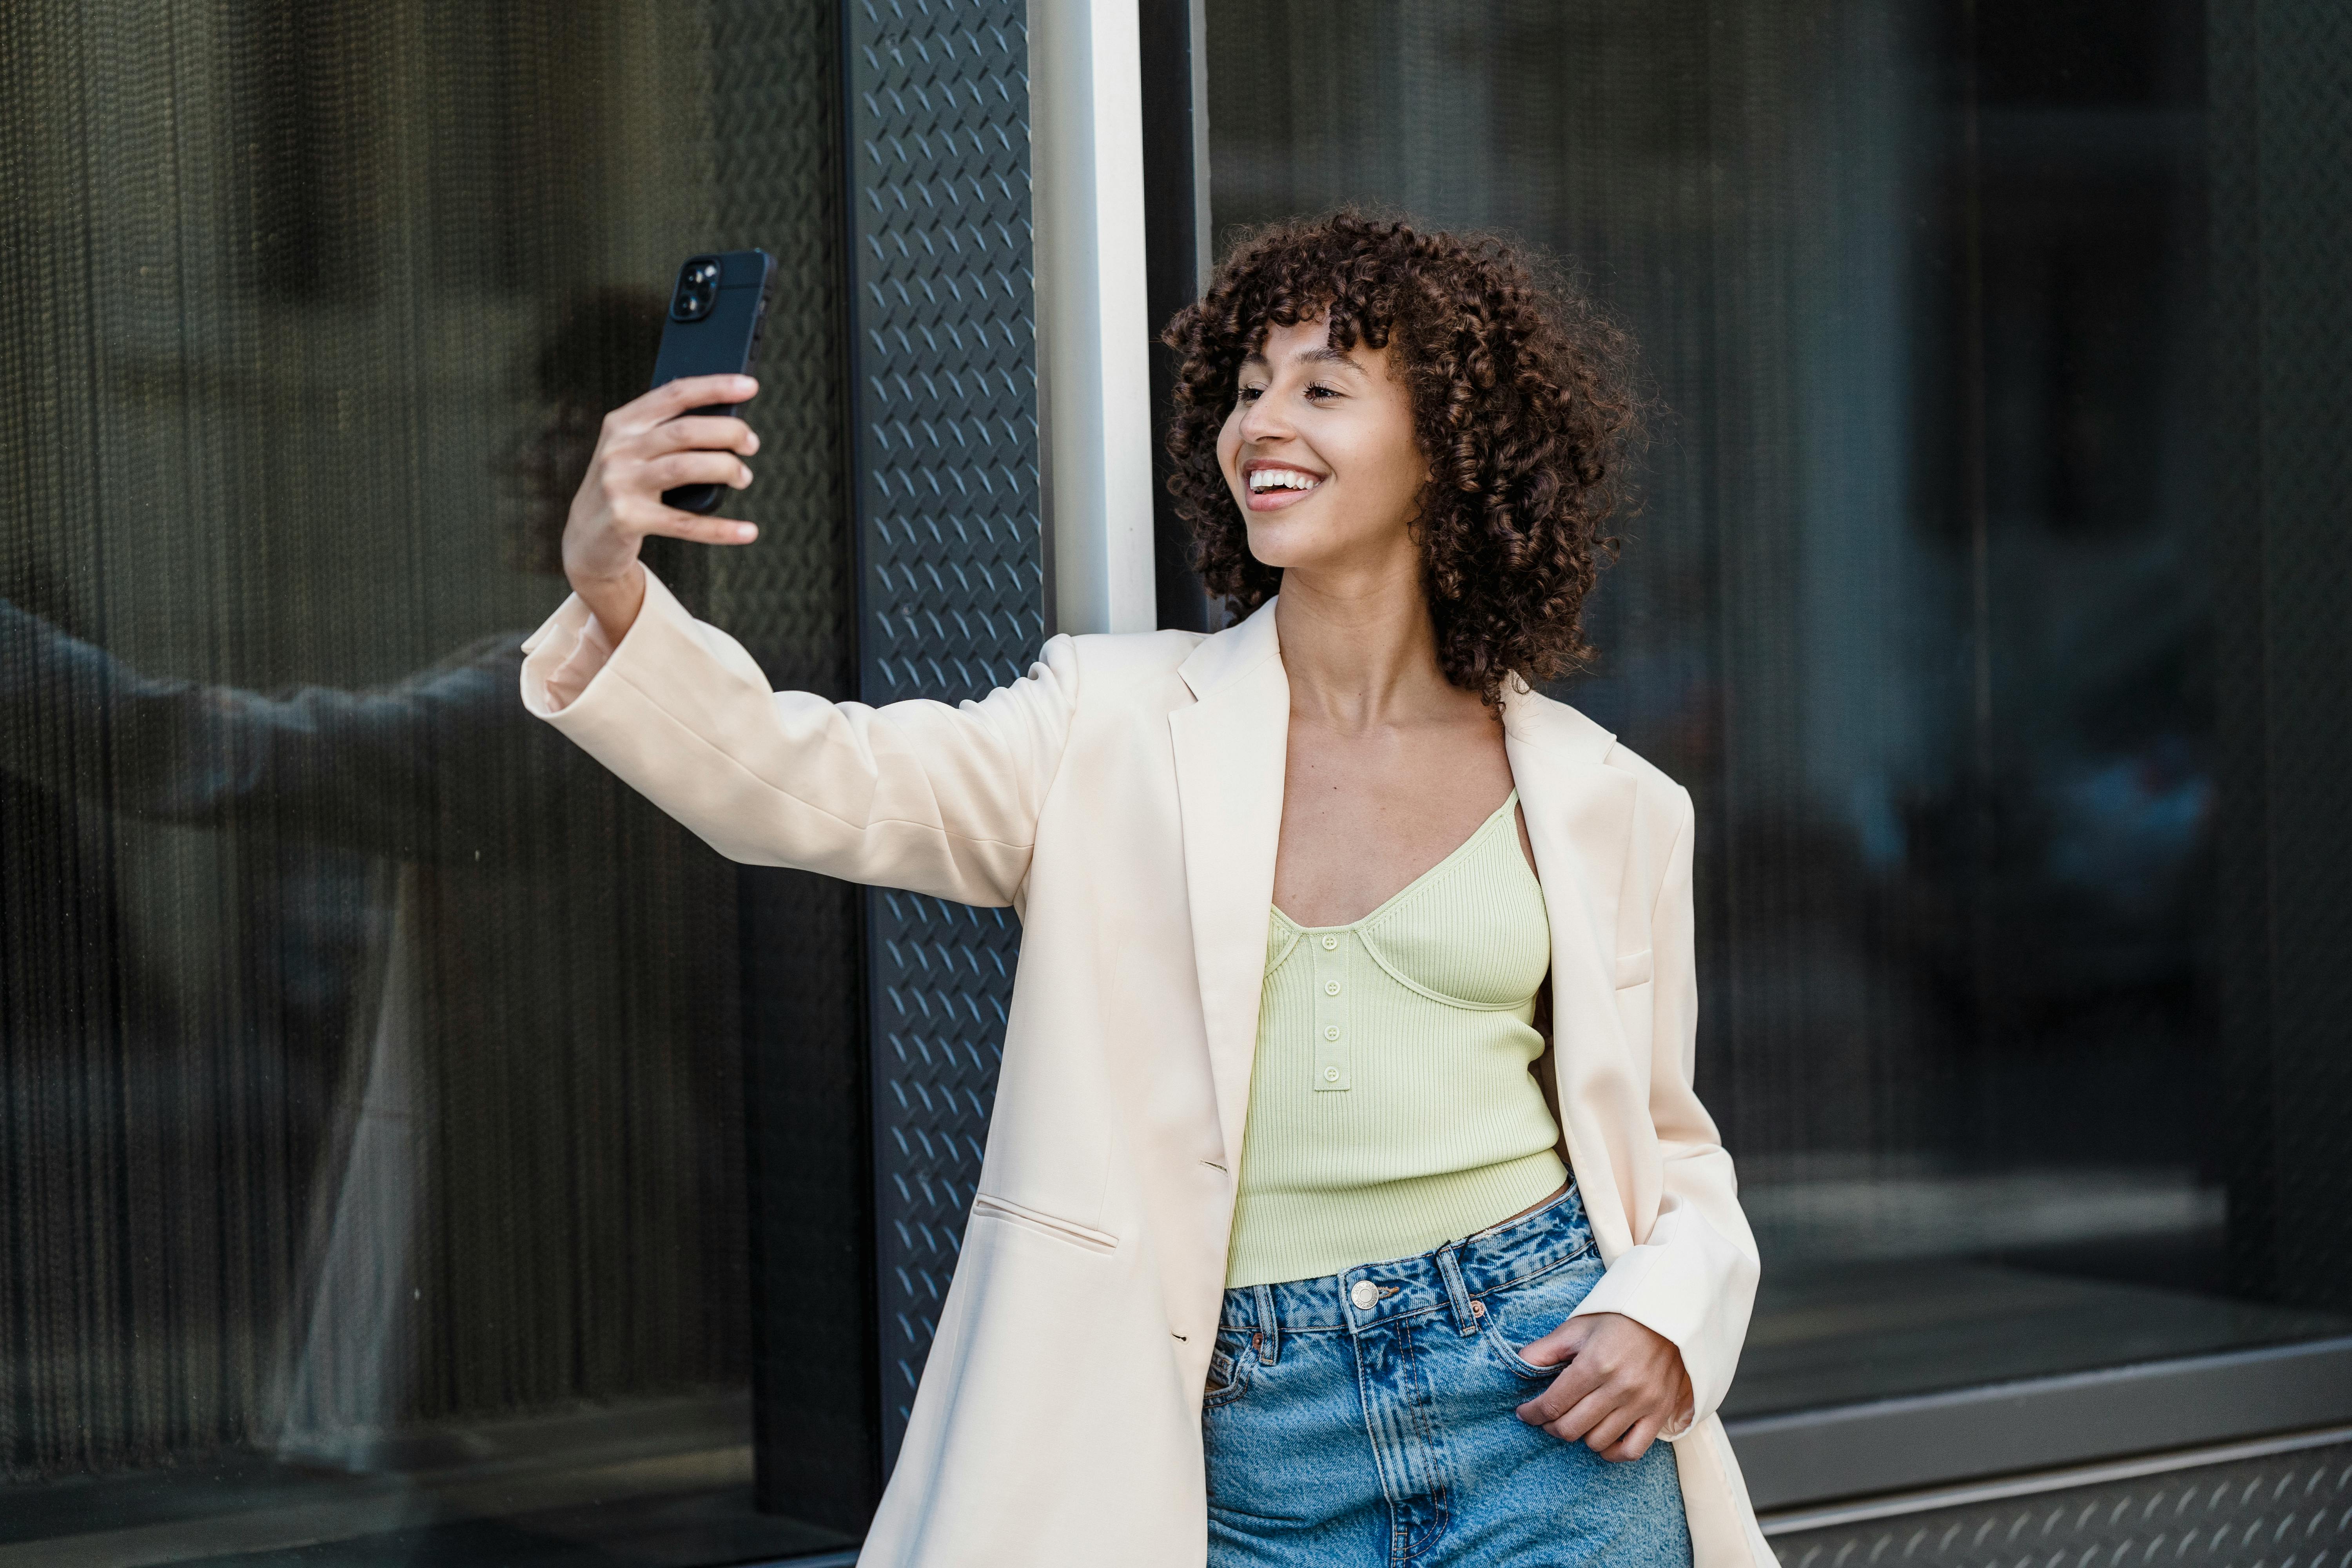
[[1622, 1385], [648, 445]]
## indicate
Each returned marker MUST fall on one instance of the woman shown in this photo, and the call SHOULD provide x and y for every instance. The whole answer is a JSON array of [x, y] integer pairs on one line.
[[1279, 1249]]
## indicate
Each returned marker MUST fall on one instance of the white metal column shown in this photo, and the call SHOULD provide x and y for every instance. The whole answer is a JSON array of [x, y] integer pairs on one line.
[[1094, 399]]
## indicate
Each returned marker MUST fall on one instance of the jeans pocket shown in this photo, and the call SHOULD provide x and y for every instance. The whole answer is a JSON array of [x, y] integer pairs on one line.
[[1229, 1368], [1521, 1313], [1518, 1364]]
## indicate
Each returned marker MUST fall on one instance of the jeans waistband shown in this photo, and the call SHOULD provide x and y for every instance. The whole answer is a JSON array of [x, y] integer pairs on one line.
[[1452, 1276]]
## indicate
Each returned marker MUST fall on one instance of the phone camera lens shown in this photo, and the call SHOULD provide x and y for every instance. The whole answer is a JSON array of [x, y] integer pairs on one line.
[[698, 287]]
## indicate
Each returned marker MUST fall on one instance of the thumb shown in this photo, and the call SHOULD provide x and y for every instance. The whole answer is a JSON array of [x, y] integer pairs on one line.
[[1560, 1345]]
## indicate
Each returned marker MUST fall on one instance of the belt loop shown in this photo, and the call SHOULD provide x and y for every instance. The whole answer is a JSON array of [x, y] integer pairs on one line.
[[1269, 1326], [1457, 1292]]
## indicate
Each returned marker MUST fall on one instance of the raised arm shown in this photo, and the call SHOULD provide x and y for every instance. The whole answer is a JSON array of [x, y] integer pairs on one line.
[[920, 795]]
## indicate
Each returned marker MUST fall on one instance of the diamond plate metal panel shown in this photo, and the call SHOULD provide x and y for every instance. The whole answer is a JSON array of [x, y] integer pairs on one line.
[[2283, 1511], [951, 580]]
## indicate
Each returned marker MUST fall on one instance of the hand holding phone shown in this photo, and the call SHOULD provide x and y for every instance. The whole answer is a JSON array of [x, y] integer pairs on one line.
[[678, 448], [651, 446], [716, 312]]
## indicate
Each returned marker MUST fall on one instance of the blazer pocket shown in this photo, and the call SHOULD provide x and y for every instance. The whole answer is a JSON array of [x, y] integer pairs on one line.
[[1063, 1230], [1635, 968]]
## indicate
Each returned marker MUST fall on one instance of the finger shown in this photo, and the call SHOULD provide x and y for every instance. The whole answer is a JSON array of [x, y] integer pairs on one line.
[[1614, 1425], [1635, 1443], [677, 468], [676, 524], [1559, 1397], [700, 432], [1582, 1416], [1558, 1345], [673, 399]]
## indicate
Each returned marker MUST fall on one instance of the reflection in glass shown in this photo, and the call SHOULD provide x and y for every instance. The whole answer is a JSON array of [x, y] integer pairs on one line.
[[1917, 607], [372, 1162]]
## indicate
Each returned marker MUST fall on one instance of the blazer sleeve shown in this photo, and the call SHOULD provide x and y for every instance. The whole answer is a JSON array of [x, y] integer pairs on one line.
[[1693, 1278], [936, 799]]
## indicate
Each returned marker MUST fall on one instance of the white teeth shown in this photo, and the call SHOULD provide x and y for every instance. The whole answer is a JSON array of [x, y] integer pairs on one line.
[[1265, 479]]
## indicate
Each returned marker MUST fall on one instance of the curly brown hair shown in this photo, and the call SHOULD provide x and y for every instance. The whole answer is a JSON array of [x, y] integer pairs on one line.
[[1523, 402]]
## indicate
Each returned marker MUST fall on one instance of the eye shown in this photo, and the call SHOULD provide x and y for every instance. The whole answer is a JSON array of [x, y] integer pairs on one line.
[[1248, 395], [1319, 390]]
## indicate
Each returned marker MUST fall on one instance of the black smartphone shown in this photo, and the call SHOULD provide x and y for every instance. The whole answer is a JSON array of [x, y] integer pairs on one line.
[[716, 315]]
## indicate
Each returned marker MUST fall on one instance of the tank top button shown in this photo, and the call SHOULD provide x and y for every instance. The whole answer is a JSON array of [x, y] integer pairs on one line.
[[1329, 942]]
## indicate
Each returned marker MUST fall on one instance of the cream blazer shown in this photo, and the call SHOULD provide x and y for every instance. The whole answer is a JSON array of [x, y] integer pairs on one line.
[[1123, 797]]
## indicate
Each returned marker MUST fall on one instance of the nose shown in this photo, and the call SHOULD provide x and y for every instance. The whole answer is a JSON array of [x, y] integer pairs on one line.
[[1263, 421]]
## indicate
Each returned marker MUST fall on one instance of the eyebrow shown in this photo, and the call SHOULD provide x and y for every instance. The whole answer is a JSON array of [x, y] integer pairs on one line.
[[1326, 354]]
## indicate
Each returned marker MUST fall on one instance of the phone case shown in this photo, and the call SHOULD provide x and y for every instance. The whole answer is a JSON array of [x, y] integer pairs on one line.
[[718, 307]]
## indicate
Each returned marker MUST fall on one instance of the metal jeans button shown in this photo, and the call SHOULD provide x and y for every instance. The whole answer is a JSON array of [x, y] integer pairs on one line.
[[1364, 1294]]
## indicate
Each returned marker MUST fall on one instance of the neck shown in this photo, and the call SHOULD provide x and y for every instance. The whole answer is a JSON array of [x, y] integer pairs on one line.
[[1359, 646]]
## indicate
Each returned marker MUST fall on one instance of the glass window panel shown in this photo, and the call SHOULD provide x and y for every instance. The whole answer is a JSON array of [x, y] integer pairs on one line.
[[1919, 606], [373, 1080]]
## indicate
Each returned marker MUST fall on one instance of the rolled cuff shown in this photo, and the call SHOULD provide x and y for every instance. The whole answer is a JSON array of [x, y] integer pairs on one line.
[[562, 658]]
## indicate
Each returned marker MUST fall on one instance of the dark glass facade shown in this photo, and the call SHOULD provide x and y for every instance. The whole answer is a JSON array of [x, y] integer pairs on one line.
[[390, 1143], [1922, 605]]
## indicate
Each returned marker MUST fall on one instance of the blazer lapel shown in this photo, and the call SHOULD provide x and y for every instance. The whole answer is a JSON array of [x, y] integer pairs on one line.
[[1579, 823], [1231, 748]]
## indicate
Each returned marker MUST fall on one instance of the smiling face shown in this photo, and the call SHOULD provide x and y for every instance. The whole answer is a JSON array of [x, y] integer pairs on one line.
[[1321, 454]]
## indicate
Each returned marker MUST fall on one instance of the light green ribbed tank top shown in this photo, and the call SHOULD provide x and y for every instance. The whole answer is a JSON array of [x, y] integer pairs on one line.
[[1391, 1107]]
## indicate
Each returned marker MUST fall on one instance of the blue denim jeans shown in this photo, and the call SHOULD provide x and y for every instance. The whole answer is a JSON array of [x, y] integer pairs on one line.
[[1374, 1426]]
